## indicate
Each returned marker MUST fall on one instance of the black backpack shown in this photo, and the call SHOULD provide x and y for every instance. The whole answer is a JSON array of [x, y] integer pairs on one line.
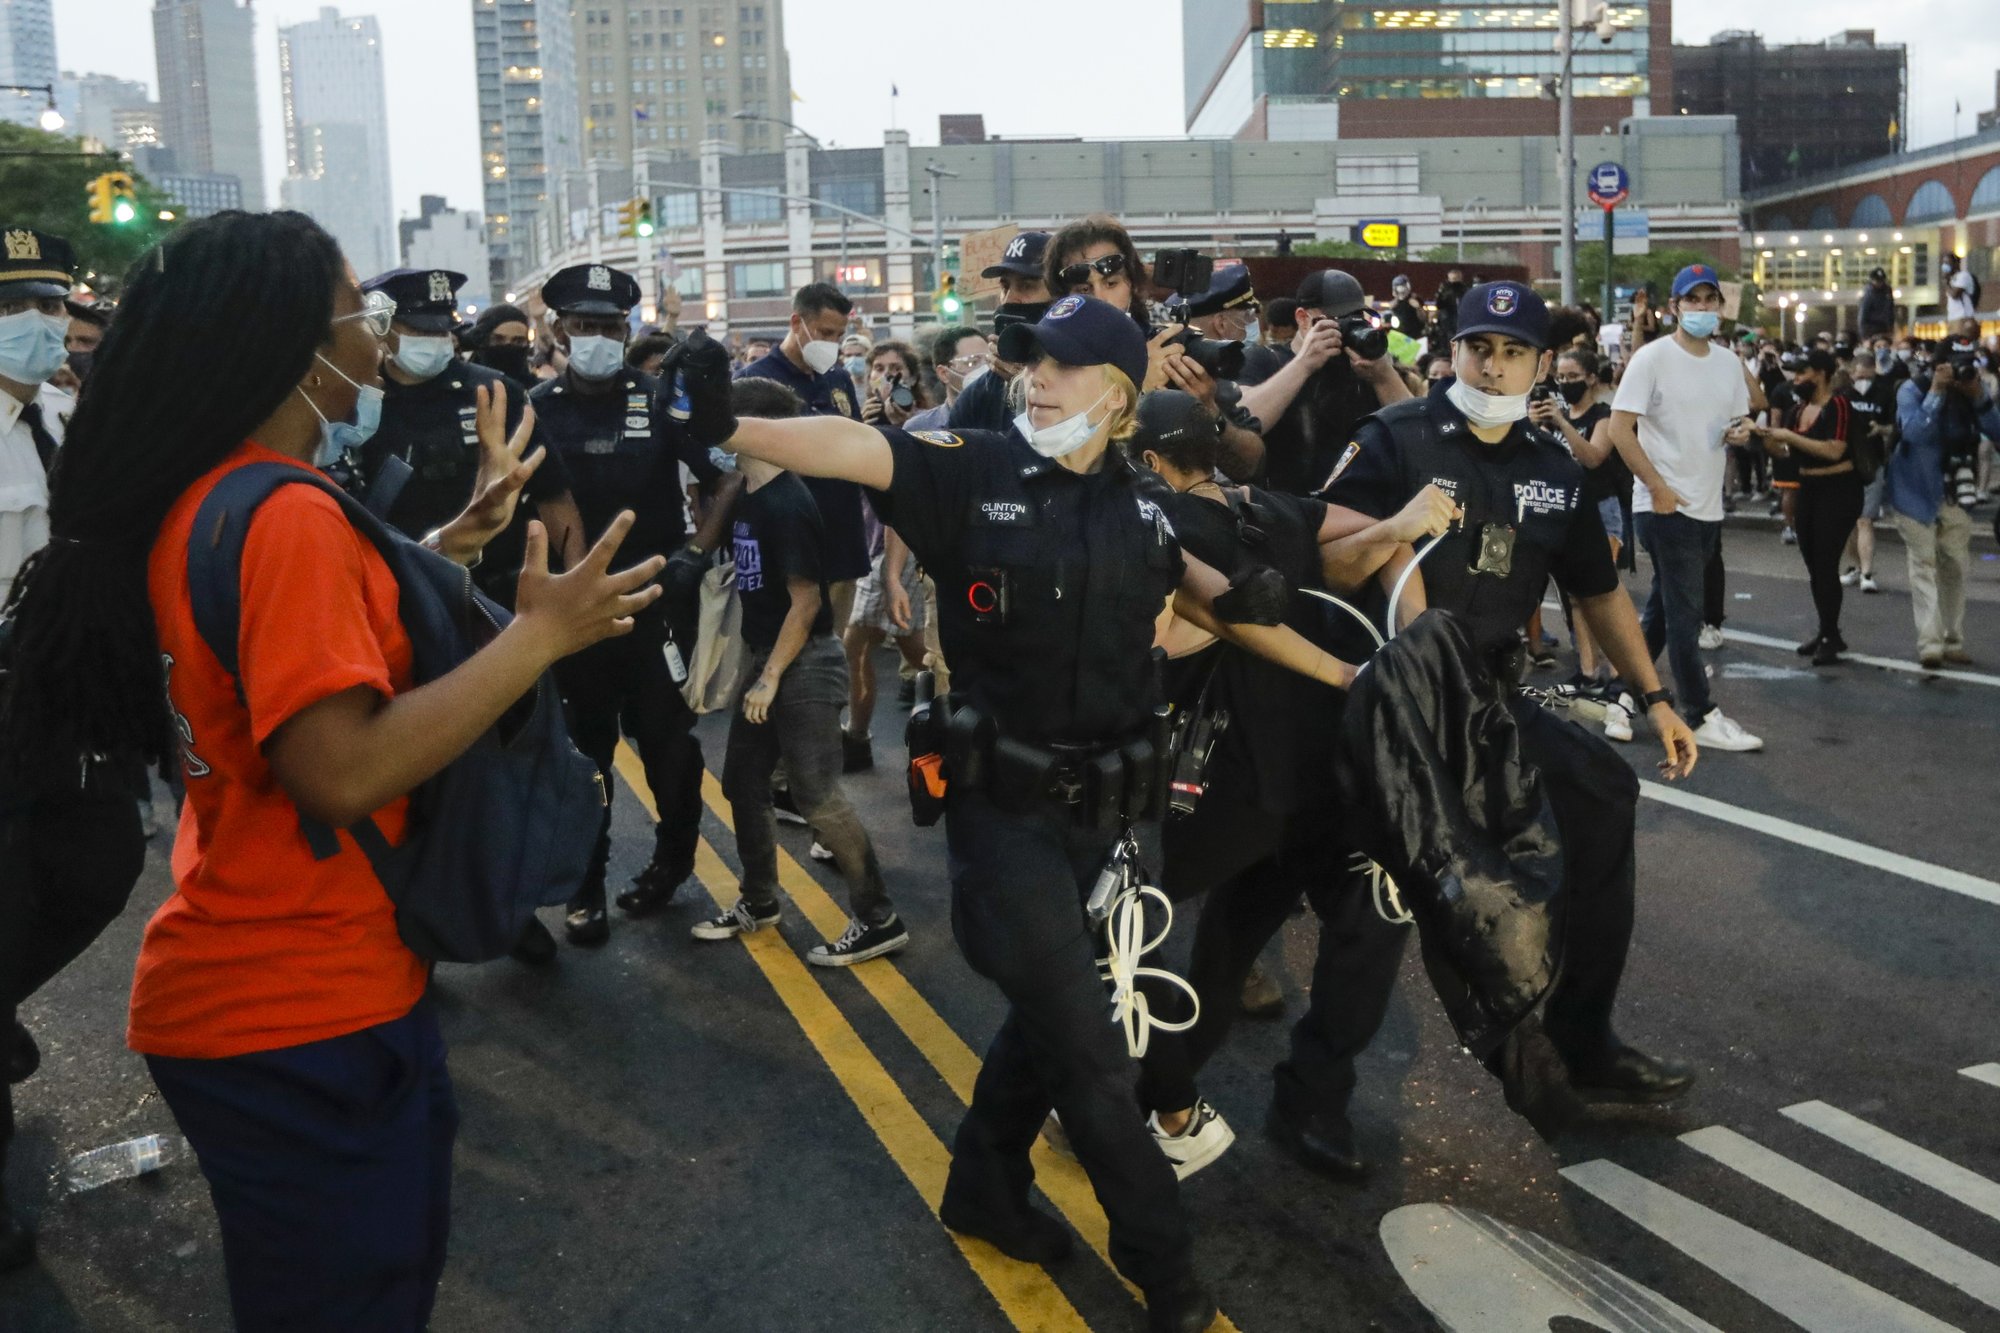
[[504, 828]]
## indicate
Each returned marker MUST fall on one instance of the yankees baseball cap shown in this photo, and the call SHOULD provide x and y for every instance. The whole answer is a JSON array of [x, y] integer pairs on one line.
[[1022, 258]]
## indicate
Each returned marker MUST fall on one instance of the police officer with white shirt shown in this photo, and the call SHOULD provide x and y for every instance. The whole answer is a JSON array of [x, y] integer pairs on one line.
[[35, 277], [1524, 522]]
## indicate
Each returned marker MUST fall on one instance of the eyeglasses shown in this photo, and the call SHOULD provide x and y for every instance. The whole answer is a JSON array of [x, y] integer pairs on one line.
[[1078, 274], [965, 363], [378, 310]]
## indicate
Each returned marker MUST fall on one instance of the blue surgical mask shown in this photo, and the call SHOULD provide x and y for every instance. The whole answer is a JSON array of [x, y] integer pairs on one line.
[[31, 345], [857, 368], [1253, 332], [1700, 323], [422, 358], [595, 357], [337, 437]]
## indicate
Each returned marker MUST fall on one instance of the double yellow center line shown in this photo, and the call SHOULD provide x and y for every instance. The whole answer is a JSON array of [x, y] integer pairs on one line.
[[1027, 1295]]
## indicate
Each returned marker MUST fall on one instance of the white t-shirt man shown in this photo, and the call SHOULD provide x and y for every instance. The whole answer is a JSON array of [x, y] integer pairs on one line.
[[1958, 296], [1684, 403]]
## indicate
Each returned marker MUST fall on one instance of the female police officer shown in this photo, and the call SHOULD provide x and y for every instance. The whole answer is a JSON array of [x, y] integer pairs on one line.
[[1524, 521], [1054, 574]]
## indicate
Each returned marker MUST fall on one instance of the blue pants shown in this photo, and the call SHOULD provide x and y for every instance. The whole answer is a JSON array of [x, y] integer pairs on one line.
[[330, 1167], [1680, 548]]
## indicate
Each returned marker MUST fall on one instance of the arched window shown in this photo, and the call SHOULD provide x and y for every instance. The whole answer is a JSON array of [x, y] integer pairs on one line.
[[1872, 212], [1822, 219], [1987, 195], [1931, 202]]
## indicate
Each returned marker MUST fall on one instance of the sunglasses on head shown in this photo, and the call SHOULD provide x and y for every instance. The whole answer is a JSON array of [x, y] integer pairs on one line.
[[1078, 274]]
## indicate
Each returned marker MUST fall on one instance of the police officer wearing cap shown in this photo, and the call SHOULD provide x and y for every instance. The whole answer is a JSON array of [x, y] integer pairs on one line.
[[70, 839], [1055, 575], [1523, 521], [1227, 312], [430, 421], [1024, 298], [621, 448], [1311, 407]]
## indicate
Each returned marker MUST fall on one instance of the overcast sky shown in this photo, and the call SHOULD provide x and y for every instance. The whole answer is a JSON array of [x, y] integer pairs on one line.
[[940, 54]]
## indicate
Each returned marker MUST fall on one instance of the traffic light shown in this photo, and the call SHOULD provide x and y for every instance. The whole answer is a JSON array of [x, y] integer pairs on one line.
[[944, 301], [643, 226], [114, 199], [628, 218]]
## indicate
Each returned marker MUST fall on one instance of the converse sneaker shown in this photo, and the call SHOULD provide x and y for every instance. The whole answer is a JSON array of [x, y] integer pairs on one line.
[[741, 919], [1205, 1137], [1710, 637], [1868, 583], [1717, 732], [1617, 723], [860, 942]]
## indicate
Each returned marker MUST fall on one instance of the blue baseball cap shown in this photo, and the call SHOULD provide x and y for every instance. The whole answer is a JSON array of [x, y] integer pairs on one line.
[[1693, 276], [1512, 309], [1080, 331]]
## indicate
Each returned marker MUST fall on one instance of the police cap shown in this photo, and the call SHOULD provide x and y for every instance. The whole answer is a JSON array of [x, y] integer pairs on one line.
[[1511, 309], [1228, 287], [35, 263], [590, 289], [426, 298], [1080, 331]]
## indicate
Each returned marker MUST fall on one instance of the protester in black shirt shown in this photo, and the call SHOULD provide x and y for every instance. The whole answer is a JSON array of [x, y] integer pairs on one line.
[[791, 707], [1582, 424], [1816, 434], [1449, 293], [1310, 410], [1406, 313]]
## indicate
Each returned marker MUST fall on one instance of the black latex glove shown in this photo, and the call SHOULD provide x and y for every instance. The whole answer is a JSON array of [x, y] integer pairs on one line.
[[683, 574], [1256, 596], [703, 367]]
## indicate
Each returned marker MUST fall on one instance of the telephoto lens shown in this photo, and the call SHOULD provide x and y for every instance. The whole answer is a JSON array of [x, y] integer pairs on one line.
[[1369, 340]]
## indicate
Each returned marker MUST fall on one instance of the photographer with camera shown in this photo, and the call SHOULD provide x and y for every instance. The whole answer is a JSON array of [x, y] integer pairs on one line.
[[1340, 373], [1935, 415]]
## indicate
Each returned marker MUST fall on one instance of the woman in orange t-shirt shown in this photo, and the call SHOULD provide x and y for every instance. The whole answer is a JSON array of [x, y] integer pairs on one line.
[[280, 1014]]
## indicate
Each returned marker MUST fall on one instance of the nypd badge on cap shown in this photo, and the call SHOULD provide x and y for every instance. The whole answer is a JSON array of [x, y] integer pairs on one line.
[[1511, 309]]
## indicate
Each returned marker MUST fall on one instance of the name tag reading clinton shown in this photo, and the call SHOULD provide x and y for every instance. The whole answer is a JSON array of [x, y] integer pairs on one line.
[[1003, 511]]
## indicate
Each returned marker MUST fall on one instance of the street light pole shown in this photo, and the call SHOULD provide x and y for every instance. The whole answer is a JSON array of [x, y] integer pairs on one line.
[[937, 173], [51, 119], [1566, 146], [775, 120], [1463, 209]]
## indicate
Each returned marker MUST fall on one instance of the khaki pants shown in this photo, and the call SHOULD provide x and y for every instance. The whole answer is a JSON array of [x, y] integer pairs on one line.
[[1939, 553]]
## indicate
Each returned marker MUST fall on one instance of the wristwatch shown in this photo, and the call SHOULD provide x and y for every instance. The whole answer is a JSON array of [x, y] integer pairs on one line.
[[1661, 696]]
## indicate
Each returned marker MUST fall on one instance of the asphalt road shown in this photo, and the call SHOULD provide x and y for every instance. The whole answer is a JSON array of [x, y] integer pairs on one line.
[[669, 1134]]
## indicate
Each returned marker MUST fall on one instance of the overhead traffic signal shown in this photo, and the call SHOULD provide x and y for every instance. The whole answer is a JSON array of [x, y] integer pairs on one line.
[[628, 217], [643, 224], [944, 301], [114, 199]]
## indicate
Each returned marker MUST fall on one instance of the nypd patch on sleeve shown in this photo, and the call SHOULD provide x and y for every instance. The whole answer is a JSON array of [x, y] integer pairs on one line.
[[1353, 448], [943, 439]]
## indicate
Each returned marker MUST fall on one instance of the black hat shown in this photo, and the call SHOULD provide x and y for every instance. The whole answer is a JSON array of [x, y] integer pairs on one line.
[[426, 298], [1510, 308], [1080, 331], [1167, 417], [1878, 275], [1818, 358], [1228, 287], [91, 312], [34, 263], [590, 289], [1332, 293], [1022, 258]]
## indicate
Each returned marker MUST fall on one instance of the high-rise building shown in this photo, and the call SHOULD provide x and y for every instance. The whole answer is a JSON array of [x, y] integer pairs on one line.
[[337, 133], [27, 55], [530, 128], [97, 105], [662, 78], [1800, 109], [447, 238], [205, 50], [1379, 69]]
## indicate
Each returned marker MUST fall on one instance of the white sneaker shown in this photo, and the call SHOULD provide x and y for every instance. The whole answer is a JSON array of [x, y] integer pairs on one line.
[[1849, 577], [820, 851], [1710, 637], [1717, 732], [1206, 1138], [1617, 723], [1868, 583]]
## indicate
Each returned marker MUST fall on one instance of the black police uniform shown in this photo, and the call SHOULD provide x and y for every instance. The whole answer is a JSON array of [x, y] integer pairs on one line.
[[621, 451], [1049, 583], [828, 394], [1524, 522]]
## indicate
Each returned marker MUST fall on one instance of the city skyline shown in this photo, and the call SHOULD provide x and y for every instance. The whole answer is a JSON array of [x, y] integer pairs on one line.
[[337, 133]]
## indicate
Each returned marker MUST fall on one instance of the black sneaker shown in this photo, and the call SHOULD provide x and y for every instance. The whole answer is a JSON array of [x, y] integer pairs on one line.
[[785, 808], [740, 919], [653, 888], [860, 942]]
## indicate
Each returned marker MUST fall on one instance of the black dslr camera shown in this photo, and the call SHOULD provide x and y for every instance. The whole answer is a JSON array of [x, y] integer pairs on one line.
[[899, 395], [1188, 273], [1367, 337]]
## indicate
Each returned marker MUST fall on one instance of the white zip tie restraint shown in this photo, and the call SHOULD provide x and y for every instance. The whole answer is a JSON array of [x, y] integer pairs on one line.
[[1118, 904]]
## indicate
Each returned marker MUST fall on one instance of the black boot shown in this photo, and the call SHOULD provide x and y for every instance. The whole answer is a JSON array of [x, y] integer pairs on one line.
[[1625, 1074], [587, 924], [1030, 1236], [1323, 1142], [653, 888], [1180, 1306]]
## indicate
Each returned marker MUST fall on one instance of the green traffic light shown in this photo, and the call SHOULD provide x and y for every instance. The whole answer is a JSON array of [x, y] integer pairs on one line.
[[122, 211], [645, 227], [949, 305]]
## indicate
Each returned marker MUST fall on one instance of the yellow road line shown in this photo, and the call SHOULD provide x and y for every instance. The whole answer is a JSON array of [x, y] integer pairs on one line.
[[1060, 1177], [1027, 1295]]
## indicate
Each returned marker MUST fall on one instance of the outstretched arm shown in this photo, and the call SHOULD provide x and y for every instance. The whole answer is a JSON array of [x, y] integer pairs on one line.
[[818, 447]]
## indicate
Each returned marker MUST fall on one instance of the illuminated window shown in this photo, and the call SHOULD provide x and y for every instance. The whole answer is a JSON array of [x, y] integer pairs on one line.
[[1290, 39]]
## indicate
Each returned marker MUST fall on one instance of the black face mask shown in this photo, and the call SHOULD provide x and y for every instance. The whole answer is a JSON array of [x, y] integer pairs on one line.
[[80, 362], [510, 360], [1572, 390], [1019, 312]]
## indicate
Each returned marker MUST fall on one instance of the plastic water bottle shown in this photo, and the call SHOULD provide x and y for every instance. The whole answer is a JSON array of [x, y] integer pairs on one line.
[[122, 1161]]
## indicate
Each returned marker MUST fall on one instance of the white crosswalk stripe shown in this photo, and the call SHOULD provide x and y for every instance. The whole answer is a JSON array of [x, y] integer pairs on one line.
[[1949, 1178], [1988, 1074]]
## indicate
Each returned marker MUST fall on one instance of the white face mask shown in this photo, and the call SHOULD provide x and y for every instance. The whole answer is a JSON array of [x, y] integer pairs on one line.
[[1065, 436], [423, 358], [820, 355], [970, 376], [594, 357], [1487, 409]]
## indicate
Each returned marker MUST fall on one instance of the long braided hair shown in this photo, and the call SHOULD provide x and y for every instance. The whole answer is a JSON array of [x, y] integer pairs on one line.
[[218, 324]]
